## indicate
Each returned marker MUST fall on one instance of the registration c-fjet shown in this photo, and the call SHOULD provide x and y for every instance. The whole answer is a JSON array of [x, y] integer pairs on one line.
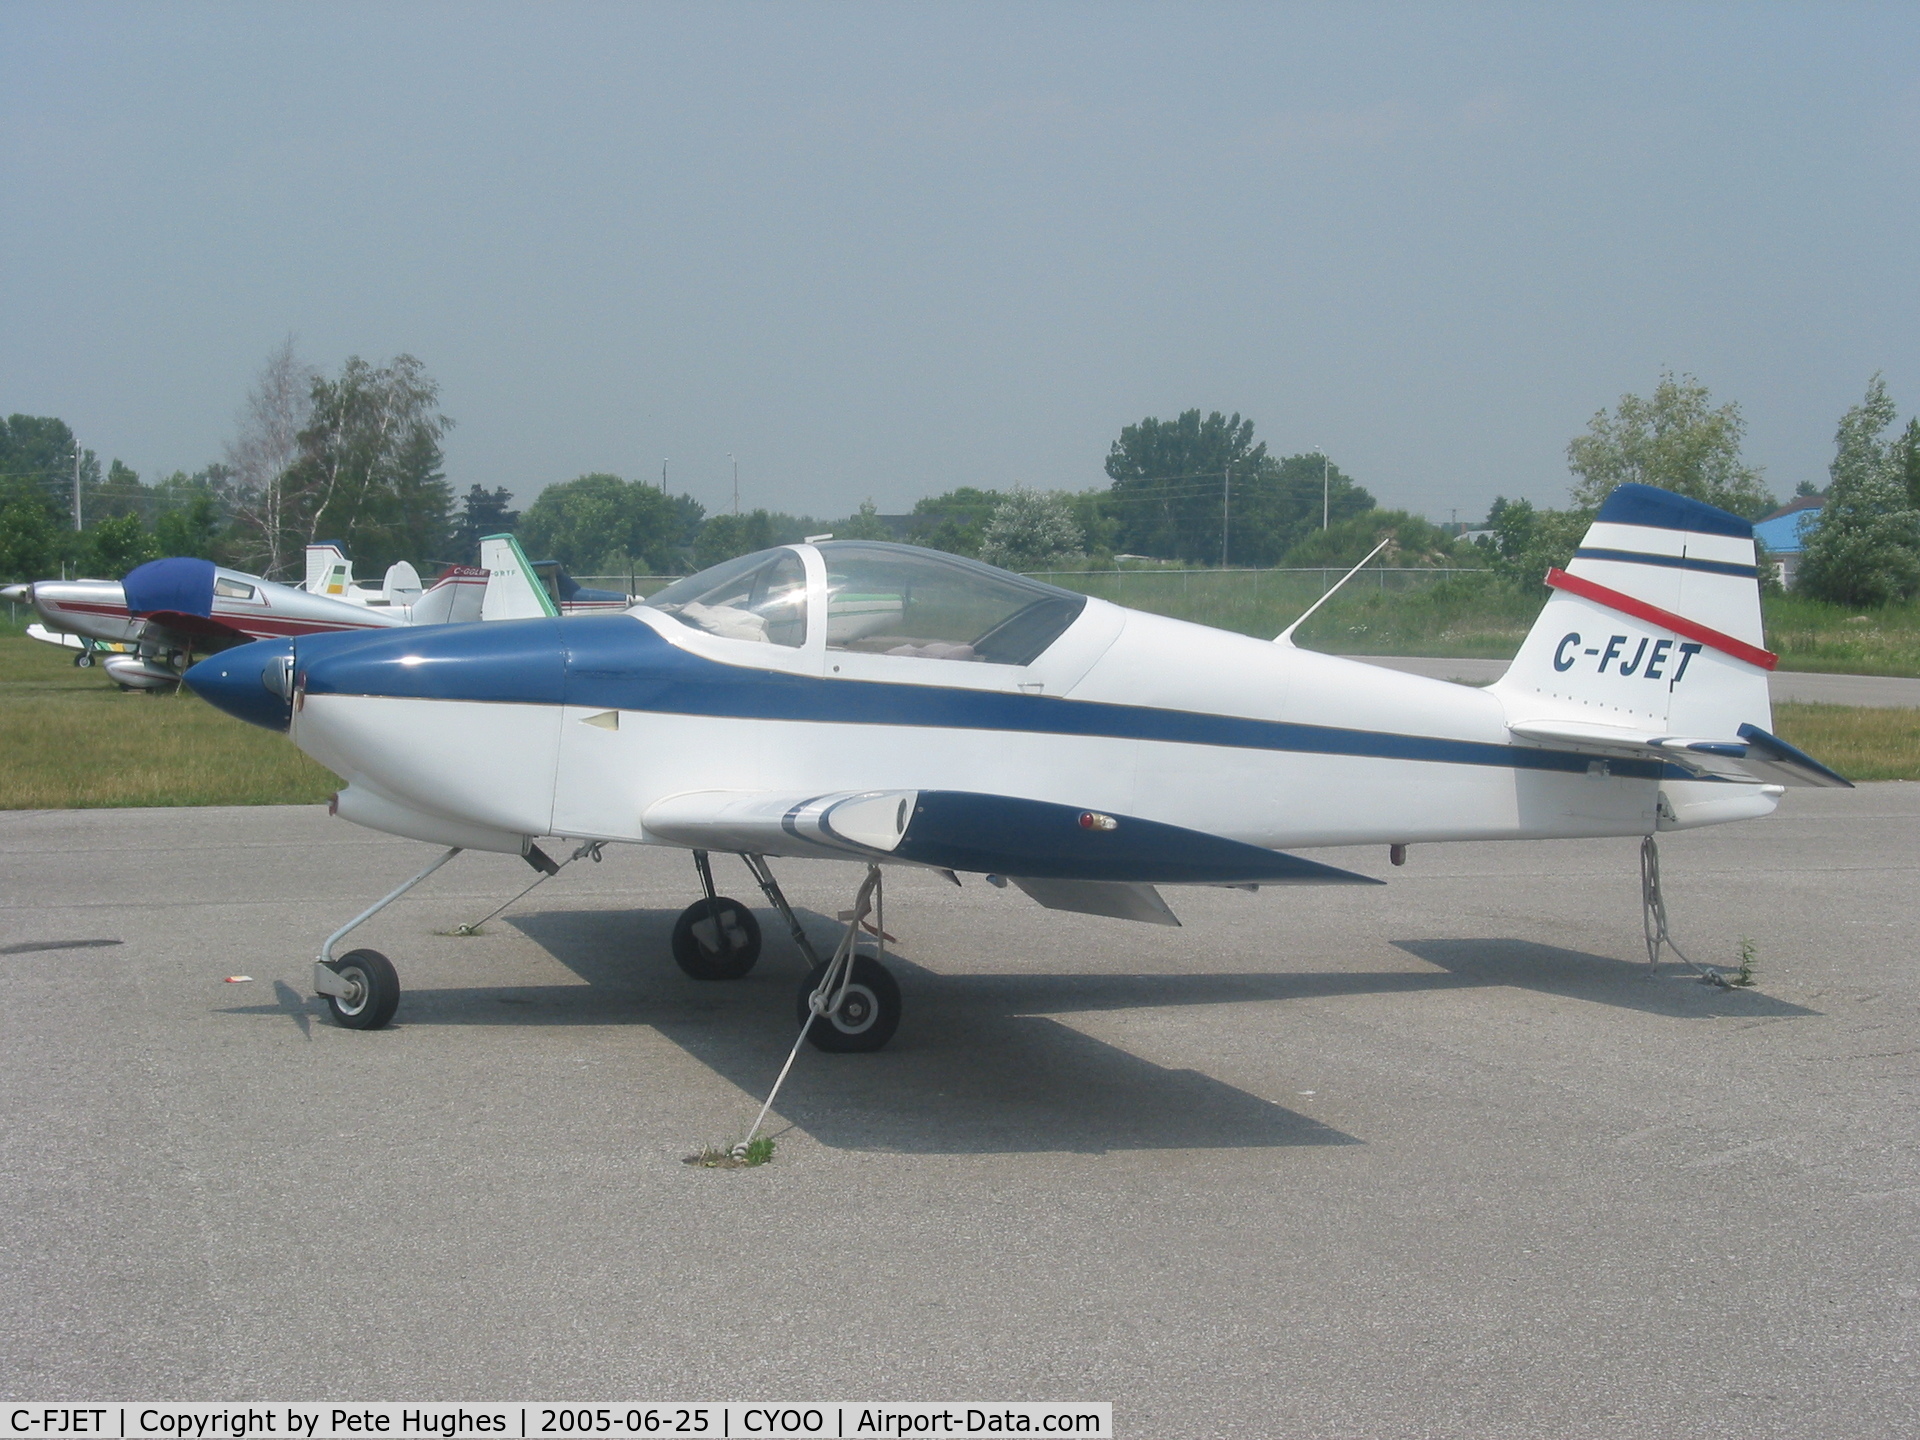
[[899, 706]]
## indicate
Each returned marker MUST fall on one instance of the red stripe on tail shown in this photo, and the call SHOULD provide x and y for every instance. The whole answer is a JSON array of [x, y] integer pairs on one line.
[[1665, 619]]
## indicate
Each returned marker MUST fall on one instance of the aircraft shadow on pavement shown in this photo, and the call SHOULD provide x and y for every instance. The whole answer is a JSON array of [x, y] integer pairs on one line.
[[1528, 965], [972, 1070], [978, 1065]]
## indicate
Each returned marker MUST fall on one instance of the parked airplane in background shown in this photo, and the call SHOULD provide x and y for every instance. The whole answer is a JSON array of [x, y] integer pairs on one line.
[[330, 573], [166, 613], [89, 652], [899, 706], [549, 590]]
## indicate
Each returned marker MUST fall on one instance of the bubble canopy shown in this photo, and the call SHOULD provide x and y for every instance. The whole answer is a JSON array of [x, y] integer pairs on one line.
[[880, 599]]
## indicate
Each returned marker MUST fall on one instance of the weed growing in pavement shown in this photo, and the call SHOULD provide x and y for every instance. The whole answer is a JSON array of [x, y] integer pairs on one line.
[[734, 1157]]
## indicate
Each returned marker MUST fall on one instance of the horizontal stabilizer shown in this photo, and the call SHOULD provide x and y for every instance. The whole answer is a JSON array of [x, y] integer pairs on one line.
[[961, 830], [55, 637], [455, 598], [1754, 756], [1784, 764], [1101, 897]]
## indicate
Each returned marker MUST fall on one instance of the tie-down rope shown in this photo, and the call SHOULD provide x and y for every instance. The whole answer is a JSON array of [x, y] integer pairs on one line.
[[871, 895]]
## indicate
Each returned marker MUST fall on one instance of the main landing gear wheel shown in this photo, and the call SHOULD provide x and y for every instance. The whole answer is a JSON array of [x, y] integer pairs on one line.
[[716, 939], [867, 1015], [84, 660], [373, 990]]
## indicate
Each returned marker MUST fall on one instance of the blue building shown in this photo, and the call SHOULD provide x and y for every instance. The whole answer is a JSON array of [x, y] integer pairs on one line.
[[1784, 534]]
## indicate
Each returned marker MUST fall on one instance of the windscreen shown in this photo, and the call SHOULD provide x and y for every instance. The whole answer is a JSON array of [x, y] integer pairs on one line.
[[900, 600], [760, 597]]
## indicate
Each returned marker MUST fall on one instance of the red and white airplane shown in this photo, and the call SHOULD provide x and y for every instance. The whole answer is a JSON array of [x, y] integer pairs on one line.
[[147, 629]]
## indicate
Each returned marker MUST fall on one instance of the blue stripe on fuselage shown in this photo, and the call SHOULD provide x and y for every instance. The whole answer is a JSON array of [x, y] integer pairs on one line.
[[614, 662]]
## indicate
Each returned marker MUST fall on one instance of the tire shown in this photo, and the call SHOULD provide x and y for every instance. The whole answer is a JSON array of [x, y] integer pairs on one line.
[[723, 947], [377, 995], [869, 1010], [84, 660]]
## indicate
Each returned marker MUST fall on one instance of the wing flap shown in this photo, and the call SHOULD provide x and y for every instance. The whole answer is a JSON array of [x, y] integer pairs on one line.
[[1117, 901]]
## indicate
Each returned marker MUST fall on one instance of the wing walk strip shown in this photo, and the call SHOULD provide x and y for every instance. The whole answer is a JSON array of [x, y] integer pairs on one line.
[[1665, 619]]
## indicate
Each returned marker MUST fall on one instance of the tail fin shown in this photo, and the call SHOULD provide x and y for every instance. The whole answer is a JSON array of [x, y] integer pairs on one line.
[[402, 585], [329, 572], [514, 591], [1655, 624]]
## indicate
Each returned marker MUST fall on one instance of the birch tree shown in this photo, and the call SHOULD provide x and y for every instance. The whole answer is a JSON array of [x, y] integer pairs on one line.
[[265, 448], [368, 473]]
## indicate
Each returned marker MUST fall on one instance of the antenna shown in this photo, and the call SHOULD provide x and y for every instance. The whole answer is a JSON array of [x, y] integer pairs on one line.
[[1285, 637]]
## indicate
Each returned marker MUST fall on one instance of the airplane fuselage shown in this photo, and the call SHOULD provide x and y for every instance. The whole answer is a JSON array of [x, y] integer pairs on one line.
[[578, 726]]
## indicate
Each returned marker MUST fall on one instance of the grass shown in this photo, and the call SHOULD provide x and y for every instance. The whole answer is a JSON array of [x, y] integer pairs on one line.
[[1423, 612], [71, 740], [1813, 635], [755, 1152], [1380, 612], [1861, 743]]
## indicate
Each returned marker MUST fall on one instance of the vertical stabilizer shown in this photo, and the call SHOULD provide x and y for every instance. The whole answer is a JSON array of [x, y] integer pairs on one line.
[[329, 572], [514, 591], [1654, 624], [402, 586]]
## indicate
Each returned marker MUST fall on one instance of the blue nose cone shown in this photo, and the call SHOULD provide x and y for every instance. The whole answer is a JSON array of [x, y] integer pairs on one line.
[[251, 682]]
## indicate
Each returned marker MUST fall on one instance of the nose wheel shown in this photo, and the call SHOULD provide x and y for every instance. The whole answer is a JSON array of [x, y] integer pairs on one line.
[[368, 992]]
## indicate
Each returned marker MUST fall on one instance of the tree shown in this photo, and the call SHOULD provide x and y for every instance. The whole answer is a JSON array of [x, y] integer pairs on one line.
[[1170, 478], [1675, 441], [864, 524], [369, 468], [956, 521], [259, 457], [116, 545], [1527, 543], [419, 512], [483, 512], [1413, 543], [1284, 503], [725, 536], [121, 493], [1194, 489], [36, 463], [29, 540], [1866, 548], [1907, 454], [579, 522], [189, 529], [1030, 530]]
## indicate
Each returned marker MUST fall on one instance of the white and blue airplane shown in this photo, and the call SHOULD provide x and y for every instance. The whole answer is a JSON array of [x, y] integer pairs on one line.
[[899, 706]]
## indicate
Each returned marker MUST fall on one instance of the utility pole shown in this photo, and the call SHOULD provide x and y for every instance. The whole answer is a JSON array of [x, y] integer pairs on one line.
[[663, 474], [1326, 488], [77, 523], [736, 483], [1226, 503]]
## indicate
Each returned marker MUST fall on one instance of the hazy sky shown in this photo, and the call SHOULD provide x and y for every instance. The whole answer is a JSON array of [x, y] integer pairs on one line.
[[886, 250]]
